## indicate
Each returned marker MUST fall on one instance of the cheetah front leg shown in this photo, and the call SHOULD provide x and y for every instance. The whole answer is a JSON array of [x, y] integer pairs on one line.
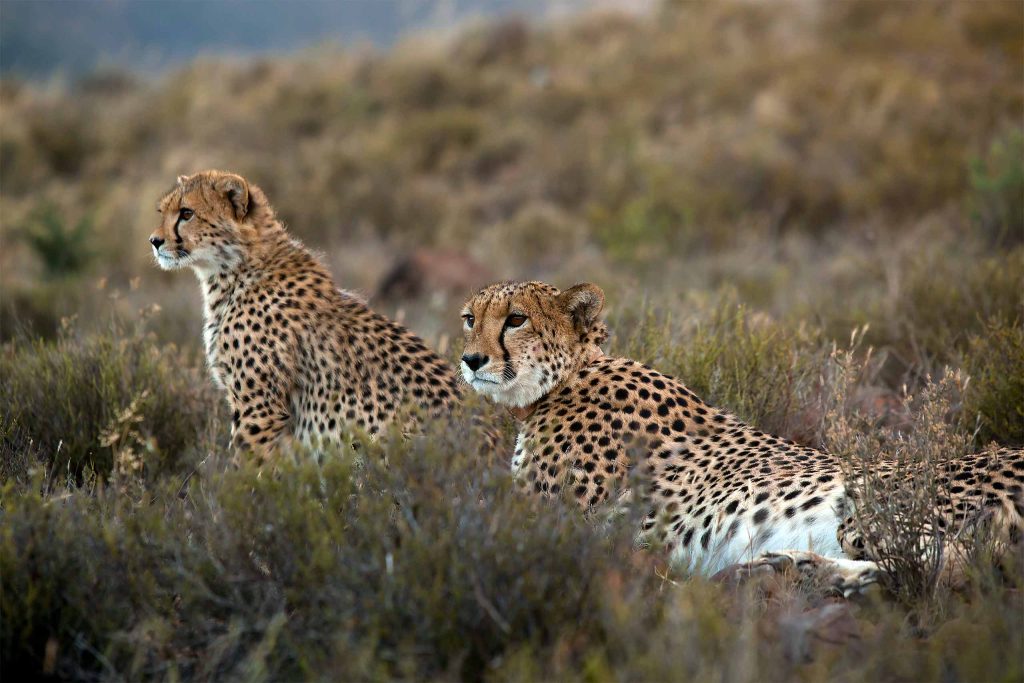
[[838, 575], [259, 395], [261, 421], [261, 433]]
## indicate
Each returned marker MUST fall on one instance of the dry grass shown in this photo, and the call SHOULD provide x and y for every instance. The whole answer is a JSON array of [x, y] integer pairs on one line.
[[430, 567]]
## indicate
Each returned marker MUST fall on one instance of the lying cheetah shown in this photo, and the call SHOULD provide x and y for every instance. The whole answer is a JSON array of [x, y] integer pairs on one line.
[[720, 491], [298, 357]]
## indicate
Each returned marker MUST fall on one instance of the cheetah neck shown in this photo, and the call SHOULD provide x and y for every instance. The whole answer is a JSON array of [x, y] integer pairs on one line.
[[240, 268], [221, 273], [219, 290], [590, 354], [217, 287]]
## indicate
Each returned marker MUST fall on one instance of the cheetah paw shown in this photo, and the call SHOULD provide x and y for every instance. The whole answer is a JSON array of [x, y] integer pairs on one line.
[[842, 576]]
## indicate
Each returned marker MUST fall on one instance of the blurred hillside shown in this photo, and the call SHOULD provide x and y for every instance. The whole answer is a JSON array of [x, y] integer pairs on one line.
[[42, 37], [793, 152]]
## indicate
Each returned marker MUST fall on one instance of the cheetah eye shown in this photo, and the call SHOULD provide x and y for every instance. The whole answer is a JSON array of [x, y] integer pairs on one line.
[[515, 320], [186, 214], [469, 320]]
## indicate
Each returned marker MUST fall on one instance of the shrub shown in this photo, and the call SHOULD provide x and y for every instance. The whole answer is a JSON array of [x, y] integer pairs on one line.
[[63, 250], [430, 566], [995, 394], [435, 139], [651, 211], [409, 559], [63, 138], [84, 402], [897, 478], [935, 296], [899, 474], [37, 311], [540, 235], [997, 190]]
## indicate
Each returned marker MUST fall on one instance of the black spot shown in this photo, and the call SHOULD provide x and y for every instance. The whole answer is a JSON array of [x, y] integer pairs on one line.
[[811, 503]]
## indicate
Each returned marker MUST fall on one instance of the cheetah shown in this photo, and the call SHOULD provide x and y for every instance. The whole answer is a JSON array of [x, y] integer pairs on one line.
[[718, 491], [299, 358]]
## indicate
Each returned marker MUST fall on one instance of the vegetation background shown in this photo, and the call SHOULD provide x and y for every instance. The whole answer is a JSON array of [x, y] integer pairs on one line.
[[810, 212]]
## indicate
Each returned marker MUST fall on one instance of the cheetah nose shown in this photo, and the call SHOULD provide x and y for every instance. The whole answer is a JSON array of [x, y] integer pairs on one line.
[[156, 242], [475, 361]]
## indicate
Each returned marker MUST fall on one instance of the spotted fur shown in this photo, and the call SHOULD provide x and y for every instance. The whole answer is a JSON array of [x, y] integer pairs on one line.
[[719, 491], [298, 357]]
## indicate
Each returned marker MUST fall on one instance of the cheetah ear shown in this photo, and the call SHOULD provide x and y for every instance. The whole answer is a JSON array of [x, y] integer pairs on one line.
[[236, 190], [583, 302]]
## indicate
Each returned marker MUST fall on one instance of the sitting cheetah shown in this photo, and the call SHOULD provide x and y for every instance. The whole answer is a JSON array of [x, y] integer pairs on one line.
[[298, 357], [720, 491]]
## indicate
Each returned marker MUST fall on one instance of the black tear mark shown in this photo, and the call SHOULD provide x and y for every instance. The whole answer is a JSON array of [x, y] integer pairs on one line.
[[508, 371]]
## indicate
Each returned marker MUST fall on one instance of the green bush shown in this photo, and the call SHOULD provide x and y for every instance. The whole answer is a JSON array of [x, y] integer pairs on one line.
[[995, 394], [647, 210], [63, 250], [997, 190], [89, 403]]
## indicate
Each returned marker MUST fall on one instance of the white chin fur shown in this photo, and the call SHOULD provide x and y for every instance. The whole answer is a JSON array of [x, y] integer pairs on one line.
[[202, 260], [170, 263], [520, 392], [467, 374]]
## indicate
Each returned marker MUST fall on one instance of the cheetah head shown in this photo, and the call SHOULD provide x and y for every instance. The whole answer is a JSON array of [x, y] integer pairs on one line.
[[208, 220], [523, 338]]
